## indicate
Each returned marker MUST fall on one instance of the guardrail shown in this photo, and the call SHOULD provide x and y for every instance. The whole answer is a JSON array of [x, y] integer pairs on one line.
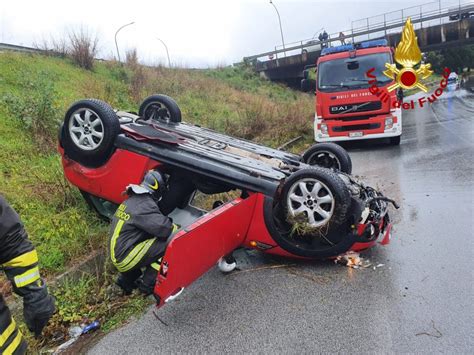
[[50, 52], [353, 35], [14, 47]]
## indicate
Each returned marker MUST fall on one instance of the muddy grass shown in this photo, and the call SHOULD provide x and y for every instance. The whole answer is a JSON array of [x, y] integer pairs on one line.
[[300, 227]]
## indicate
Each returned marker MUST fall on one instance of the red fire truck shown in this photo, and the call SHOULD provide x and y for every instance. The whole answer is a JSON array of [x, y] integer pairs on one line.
[[347, 107]]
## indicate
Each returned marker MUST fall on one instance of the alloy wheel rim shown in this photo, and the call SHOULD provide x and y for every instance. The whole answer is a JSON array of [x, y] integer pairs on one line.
[[86, 129], [313, 199]]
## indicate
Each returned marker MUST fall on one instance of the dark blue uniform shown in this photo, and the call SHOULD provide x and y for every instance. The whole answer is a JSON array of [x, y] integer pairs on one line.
[[19, 260], [138, 238]]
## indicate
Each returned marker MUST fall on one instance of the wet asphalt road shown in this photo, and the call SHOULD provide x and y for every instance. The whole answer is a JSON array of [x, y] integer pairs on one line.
[[421, 300]]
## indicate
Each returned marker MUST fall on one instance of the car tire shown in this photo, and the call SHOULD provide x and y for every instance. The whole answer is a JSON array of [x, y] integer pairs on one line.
[[89, 132], [160, 107], [330, 156], [61, 134], [395, 140], [330, 239], [328, 206]]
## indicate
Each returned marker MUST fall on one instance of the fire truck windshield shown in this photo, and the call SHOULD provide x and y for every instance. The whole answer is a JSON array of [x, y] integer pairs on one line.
[[350, 73]]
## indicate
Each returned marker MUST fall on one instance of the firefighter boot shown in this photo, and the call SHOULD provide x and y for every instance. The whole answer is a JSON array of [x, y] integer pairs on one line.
[[146, 284], [127, 281]]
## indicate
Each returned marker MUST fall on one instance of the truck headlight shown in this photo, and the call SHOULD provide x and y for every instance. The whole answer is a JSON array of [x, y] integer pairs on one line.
[[324, 128], [388, 123]]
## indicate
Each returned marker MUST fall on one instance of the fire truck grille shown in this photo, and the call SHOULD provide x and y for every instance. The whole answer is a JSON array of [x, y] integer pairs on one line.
[[358, 107], [354, 118], [357, 127]]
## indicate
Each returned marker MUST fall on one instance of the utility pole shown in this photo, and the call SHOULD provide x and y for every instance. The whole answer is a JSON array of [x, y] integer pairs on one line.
[[116, 33], [281, 29]]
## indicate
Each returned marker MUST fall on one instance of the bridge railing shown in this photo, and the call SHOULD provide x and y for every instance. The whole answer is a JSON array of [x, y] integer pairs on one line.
[[380, 25], [421, 15]]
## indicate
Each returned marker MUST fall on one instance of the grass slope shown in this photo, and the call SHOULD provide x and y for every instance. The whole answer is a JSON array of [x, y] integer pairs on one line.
[[35, 91]]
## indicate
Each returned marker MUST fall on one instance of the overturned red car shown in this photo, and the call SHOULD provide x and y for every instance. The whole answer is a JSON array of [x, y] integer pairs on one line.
[[304, 206]]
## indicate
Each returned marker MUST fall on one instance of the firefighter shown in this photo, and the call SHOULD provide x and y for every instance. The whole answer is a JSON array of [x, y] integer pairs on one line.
[[325, 38], [139, 233], [19, 260], [342, 38], [320, 37]]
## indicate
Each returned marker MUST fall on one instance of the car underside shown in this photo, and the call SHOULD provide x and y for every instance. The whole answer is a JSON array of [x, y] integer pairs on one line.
[[304, 206]]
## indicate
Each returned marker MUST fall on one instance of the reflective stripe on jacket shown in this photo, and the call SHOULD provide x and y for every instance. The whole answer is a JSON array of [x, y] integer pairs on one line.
[[11, 340], [136, 225], [19, 260]]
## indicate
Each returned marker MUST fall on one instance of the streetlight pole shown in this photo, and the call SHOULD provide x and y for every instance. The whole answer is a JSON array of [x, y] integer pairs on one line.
[[281, 29], [318, 31], [167, 53], [116, 33]]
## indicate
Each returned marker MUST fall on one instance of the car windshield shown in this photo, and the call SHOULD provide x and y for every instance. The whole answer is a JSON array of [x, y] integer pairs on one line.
[[350, 73]]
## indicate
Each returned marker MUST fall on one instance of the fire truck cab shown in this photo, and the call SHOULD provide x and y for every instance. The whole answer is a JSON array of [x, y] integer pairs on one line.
[[350, 105]]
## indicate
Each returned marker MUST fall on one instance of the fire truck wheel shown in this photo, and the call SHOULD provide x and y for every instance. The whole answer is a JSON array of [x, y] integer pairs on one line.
[[330, 156], [160, 107], [89, 131], [395, 140]]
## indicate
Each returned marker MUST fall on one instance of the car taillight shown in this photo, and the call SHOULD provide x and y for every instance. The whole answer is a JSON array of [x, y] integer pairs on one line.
[[388, 122]]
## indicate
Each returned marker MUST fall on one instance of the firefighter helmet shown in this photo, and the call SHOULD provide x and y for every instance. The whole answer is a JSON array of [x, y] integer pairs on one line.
[[154, 182]]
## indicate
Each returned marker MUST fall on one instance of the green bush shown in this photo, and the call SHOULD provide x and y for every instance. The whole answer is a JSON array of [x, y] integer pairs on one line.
[[35, 108], [118, 72]]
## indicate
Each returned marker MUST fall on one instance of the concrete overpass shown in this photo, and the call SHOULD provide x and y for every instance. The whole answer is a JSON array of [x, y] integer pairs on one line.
[[435, 29]]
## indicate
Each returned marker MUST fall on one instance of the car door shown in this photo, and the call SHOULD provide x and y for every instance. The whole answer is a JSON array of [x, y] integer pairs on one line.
[[197, 248]]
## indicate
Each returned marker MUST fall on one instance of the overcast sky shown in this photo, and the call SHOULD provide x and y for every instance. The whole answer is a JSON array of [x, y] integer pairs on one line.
[[199, 33]]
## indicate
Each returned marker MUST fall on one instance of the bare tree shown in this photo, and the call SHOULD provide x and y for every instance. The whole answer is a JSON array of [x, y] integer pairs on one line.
[[42, 45], [53, 46], [131, 57], [59, 46], [83, 47]]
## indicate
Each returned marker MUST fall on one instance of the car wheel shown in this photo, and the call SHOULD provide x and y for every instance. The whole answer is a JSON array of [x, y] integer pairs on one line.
[[395, 140], [288, 219], [61, 134], [89, 132], [330, 156], [316, 197], [160, 107]]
